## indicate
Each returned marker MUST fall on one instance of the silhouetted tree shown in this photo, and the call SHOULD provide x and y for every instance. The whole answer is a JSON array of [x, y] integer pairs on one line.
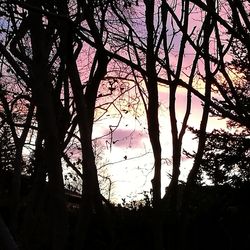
[[60, 53], [226, 154], [42, 50], [7, 148], [226, 158]]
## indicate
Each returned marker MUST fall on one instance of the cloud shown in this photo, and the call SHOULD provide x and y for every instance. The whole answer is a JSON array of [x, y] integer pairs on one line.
[[124, 138]]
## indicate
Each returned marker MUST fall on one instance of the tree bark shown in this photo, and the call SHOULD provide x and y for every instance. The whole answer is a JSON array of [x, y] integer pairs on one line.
[[153, 102], [42, 91]]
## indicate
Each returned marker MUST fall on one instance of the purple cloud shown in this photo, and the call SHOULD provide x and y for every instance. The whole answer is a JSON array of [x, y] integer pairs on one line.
[[127, 138]]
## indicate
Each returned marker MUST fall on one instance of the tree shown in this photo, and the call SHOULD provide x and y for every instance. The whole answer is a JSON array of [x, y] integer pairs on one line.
[[34, 73], [230, 104], [43, 54], [7, 148], [15, 128], [149, 56], [150, 52], [226, 156], [144, 42]]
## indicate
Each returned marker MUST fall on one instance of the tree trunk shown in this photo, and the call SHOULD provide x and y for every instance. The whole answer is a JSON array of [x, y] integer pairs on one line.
[[85, 106], [15, 190], [153, 103], [153, 122], [91, 197], [208, 26], [42, 91]]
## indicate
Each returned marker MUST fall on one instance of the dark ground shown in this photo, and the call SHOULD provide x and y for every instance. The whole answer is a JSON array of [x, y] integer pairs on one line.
[[217, 218]]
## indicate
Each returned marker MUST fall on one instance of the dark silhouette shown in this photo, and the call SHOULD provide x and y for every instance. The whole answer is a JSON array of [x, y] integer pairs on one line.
[[64, 65]]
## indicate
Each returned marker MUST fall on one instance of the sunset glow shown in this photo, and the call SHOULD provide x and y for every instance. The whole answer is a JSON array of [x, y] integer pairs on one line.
[[124, 124]]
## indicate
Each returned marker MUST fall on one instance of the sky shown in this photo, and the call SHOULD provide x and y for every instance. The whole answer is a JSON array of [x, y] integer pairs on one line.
[[127, 150], [128, 154]]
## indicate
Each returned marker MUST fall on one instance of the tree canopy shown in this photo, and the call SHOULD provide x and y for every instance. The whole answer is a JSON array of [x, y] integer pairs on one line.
[[67, 64]]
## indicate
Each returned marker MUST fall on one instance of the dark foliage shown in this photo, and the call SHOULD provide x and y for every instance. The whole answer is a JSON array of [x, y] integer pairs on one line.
[[226, 158], [218, 218], [7, 148]]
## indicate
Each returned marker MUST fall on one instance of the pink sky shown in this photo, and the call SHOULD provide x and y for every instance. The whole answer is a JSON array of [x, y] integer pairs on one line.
[[129, 147], [130, 139]]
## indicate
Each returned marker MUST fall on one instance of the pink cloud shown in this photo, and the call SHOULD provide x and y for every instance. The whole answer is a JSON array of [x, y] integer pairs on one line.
[[124, 138]]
